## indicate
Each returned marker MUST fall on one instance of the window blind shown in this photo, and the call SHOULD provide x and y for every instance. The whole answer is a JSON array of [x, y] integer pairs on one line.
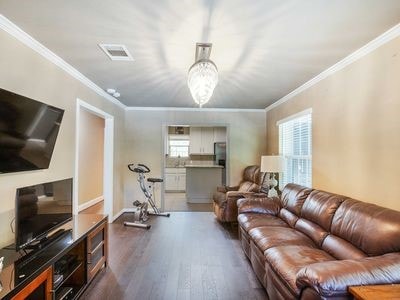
[[295, 143]]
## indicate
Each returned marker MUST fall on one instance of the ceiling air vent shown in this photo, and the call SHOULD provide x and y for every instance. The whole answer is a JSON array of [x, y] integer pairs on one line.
[[116, 52]]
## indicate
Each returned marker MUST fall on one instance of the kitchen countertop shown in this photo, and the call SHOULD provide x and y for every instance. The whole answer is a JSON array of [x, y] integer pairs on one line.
[[204, 166], [175, 167]]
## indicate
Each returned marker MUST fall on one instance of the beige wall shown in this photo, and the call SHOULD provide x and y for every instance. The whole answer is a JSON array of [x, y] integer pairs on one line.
[[144, 140], [25, 72], [91, 156], [356, 128]]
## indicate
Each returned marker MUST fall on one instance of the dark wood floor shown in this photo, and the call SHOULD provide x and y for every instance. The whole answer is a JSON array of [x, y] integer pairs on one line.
[[187, 256], [178, 202]]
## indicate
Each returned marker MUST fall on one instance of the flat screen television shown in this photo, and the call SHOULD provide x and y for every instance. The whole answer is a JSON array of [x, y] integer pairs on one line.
[[28, 132], [40, 209]]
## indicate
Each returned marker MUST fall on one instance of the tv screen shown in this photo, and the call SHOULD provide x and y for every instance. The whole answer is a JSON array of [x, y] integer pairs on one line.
[[40, 209], [28, 132]]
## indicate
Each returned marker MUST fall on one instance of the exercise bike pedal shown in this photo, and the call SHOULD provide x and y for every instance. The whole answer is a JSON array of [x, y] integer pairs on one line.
[[137, 203]]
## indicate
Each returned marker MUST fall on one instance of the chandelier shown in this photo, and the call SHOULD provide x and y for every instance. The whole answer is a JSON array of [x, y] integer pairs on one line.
[[203, 75]]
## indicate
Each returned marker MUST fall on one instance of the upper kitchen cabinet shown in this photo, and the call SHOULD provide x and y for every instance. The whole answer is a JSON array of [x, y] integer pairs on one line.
[[201, 140], [219, 134]]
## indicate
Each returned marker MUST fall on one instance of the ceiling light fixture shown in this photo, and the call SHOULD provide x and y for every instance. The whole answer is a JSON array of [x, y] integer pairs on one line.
[[203, 75]]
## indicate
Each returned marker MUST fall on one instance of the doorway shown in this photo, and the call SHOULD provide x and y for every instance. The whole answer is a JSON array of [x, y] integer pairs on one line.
[[194, 165], [93, 180]]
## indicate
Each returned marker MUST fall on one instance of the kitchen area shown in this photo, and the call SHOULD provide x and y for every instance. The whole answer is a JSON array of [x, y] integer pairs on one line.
[[195, 164]]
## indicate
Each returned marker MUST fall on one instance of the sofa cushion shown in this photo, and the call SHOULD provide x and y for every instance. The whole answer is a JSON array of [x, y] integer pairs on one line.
[[373, 229], [293, 197], [252, 174], [312, 230], [320, 207], [272, 236], [286, 261], [249, 221], [289, 217], [341, 249]]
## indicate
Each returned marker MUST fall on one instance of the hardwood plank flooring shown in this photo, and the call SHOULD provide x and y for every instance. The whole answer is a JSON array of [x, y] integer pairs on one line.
[[187, 256], [177, 202]]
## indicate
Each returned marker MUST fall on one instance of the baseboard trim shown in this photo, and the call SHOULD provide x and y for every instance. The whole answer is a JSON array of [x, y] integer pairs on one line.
[[121, 212], [90, 203]]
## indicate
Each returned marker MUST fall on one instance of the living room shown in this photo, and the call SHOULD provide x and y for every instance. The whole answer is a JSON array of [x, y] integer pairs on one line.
[[336, 63]]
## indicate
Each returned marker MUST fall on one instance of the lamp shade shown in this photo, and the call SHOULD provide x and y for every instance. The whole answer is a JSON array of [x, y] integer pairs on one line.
[[272, 164]]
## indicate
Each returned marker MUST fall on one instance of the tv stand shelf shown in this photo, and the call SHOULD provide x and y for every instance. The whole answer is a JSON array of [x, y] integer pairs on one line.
[[76, 255]]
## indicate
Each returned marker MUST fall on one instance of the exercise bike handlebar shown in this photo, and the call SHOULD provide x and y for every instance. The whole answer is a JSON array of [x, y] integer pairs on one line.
[[140, 168]]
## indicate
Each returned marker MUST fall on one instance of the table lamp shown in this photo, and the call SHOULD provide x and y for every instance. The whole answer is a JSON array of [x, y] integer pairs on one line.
[[272, 164]]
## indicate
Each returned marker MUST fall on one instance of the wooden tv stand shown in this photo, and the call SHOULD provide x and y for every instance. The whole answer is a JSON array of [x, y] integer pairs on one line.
[[61, 270]]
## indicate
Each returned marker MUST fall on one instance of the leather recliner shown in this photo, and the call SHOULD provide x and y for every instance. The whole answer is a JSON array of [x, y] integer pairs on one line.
[[225, 198], [311, 244]]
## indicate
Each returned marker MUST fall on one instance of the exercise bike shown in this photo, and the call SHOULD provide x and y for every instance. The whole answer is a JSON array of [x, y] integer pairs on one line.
[[141, 215]]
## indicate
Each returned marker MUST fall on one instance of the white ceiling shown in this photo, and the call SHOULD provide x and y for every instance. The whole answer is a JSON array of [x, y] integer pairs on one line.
[[263, 49]]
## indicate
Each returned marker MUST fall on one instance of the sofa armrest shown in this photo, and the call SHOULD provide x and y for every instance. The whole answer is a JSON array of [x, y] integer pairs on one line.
[[261, 205], [225, 189], [237, 195], [332, 279]]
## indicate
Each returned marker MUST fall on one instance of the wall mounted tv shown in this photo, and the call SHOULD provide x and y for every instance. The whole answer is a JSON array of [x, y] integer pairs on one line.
[[28, 132], [40, 209]]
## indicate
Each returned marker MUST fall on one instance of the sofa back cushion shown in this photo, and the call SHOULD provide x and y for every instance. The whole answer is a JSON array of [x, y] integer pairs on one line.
[[312, 230], [251, 181], [288, 217], [341, 249], [317, 213], [373, 229], [293, 197], [320, 207], [252, 174]]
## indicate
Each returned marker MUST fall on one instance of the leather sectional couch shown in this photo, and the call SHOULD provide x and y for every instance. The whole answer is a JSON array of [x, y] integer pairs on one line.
[[225, 198], [311, 244]]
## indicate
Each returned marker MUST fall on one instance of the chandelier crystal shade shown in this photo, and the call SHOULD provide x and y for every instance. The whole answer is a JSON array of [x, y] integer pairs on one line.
[[203, 75]]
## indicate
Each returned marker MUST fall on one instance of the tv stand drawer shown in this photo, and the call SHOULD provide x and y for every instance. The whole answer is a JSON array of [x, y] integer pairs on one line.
[[96, 250]]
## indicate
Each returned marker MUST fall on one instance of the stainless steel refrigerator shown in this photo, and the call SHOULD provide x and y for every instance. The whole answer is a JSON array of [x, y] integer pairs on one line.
[[220, 158]]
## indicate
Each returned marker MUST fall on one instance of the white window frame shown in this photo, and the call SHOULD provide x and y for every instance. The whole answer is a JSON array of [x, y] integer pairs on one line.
[[304, 174], [171, 151]]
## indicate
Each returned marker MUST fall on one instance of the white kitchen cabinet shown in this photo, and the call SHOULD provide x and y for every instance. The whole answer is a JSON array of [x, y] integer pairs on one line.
[[219, 134], [202, 140], [175, 179], [170, 182], [195, 145], [207, 140], [181, 185]]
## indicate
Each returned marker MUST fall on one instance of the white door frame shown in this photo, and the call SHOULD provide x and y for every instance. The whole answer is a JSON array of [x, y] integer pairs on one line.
[[108, 176], [164, 137]]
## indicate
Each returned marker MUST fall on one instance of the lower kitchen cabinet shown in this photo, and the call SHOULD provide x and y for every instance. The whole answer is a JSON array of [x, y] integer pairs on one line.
[[175, 179]]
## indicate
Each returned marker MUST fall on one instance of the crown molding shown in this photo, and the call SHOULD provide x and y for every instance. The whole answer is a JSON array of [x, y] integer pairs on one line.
[[29, 41], [192, 109], [356, 55]]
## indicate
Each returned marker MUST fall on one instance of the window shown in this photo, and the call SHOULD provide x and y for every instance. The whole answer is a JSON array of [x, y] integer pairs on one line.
[[178, 148], [295, 145]]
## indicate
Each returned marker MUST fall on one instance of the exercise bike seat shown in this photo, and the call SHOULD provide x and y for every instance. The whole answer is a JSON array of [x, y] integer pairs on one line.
[[155, 180]]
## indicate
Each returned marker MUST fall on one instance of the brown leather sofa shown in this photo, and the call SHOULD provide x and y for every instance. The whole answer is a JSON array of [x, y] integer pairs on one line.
[[225, 198], [311, 244]]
